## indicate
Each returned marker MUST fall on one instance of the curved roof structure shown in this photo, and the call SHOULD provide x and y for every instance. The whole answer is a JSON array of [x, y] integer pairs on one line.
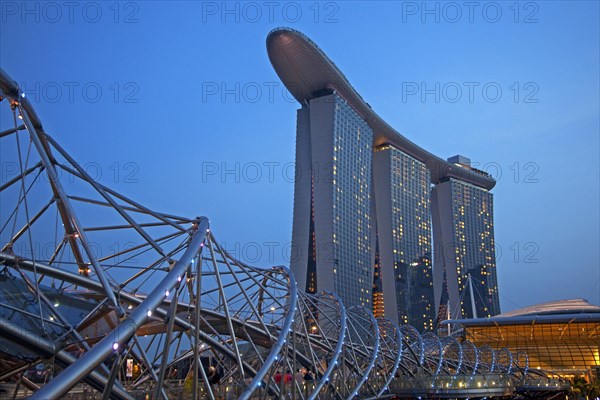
[[307, 72], [561, 311], [570, 306]]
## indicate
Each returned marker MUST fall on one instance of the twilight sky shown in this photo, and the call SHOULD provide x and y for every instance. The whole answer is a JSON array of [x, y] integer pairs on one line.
[[176, 105]]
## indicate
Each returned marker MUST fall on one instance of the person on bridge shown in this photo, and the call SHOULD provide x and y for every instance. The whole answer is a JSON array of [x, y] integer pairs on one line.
[[298, 376], [308, 376], [287, 379]]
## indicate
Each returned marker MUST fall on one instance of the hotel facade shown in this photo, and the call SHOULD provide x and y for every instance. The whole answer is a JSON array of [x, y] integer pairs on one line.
[[372, 209]]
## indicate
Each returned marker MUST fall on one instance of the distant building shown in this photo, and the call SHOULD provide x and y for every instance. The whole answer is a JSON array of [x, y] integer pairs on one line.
[[561, 337], [401, 187], [359, 179], [465, 259], [332, 201]]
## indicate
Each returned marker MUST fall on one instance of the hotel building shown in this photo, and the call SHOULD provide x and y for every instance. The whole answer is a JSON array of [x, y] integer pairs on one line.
[[366, 200], [464, 236]]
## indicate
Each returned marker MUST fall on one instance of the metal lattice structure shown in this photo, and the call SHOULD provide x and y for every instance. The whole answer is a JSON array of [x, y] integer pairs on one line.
[[99, 292]]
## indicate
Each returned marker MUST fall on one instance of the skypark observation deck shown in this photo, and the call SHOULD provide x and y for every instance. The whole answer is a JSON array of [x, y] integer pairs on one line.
[[308, 73]]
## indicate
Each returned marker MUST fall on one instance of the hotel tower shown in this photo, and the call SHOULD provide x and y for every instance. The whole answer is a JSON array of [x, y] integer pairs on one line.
[[367, 201]]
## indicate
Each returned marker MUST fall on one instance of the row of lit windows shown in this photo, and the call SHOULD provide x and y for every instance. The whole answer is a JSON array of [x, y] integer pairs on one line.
[[352, 204], [411, 238], [474, 231]]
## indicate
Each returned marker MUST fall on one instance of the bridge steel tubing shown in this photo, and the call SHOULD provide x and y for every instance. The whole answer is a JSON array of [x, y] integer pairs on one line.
[[60, 385], [46, 348]]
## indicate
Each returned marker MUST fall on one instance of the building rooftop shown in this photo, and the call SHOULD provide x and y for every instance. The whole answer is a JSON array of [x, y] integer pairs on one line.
[[570, 306], [308, 73], [571, 310]]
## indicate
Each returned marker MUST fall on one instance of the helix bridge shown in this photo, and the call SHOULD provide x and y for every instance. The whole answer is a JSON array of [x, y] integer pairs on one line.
[[102, 297]]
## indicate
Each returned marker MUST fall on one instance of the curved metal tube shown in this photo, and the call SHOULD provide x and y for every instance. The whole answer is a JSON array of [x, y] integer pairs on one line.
[[473, 350], [408, 330], [338, 349], [447, 344], [69, 217], [432, 338], [396, 361], [278, 346], [48, 349], [119, 336], [375, 351], [127, 298]]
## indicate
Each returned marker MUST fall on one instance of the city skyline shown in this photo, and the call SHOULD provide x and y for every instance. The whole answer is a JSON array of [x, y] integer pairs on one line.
[[524, 233]]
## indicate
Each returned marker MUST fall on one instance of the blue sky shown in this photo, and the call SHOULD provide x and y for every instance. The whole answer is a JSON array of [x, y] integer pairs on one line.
[[176, 105]]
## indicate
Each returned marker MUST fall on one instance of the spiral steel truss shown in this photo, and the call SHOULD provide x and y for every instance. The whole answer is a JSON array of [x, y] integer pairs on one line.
[[98, 291]]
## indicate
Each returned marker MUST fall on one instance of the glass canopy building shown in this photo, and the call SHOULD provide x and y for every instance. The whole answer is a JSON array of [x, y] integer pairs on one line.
[[561, 337], [362, 186]]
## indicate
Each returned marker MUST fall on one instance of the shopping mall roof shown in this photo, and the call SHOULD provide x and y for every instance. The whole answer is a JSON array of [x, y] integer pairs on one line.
[[567, 311]]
